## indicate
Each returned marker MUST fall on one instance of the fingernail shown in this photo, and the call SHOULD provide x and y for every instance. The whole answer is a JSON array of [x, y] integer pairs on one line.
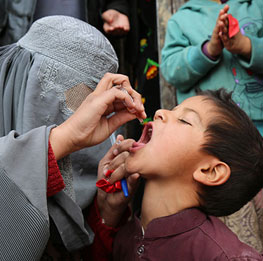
[[140, 120], [118, 142], [115, 152], [105, 170]]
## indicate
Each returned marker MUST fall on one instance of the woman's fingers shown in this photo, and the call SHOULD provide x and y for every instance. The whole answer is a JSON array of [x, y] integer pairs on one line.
[[110, 80], [132, 181], [105, 105], [108, 157], [117, 154], [118, 174], [119, 86]]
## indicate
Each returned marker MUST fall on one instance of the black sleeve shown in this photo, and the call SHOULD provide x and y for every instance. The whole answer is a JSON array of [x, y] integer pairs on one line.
[[119, 5], [3, 14]]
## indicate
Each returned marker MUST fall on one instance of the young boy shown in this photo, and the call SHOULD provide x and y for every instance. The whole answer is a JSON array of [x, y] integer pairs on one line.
[[202, 51], [202, 159]]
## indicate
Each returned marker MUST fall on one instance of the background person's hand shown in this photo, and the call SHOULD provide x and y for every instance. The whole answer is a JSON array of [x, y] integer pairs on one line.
[[238, 44], [101, 113], [113, 205], [115, 23], [215, 45]]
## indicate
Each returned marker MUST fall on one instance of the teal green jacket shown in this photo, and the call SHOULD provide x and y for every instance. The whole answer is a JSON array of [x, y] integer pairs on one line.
[[186, 67]]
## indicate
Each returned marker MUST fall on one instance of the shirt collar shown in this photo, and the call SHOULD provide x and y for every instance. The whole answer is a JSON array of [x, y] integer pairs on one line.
[[181, 222]]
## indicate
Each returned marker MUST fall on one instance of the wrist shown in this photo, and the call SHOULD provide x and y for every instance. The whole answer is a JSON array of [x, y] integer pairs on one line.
[[210, 51], [110, 216], [245, 49], [60, 142]]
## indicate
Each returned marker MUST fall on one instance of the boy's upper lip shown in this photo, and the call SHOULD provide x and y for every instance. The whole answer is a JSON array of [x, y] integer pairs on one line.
[[145, 137]]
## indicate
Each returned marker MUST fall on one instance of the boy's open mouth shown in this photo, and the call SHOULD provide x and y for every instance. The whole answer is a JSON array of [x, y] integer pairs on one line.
[[145, 138]]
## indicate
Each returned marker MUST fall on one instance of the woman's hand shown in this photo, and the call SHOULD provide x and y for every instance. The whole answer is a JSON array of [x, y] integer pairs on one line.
[[113, 205], [112, 104]]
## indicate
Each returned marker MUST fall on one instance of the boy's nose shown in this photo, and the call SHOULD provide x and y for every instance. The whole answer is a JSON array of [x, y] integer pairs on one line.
[[160, 115]]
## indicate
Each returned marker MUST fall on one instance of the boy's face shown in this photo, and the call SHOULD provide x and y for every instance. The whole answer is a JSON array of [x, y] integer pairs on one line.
[[170, 145]]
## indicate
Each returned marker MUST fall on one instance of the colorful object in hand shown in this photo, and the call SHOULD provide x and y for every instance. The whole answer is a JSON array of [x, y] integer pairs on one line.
[[106, 186], [145, 121], [233, 26], [109, 172], [117, 186], [124, 187]]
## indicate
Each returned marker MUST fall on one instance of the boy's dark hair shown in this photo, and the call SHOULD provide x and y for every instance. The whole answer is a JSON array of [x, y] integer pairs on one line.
[[232, 138]]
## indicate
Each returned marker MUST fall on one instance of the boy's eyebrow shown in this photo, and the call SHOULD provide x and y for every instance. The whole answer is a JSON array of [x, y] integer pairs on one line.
[[185, 109], [195, 112]]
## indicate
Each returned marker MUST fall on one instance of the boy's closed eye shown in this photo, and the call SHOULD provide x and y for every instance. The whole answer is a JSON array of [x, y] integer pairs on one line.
[[185, 122]]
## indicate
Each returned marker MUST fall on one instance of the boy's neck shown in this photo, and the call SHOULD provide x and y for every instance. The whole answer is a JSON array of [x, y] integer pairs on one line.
[[164, 199]]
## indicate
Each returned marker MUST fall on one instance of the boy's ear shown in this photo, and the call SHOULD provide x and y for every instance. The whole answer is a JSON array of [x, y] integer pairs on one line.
[[212, 173]]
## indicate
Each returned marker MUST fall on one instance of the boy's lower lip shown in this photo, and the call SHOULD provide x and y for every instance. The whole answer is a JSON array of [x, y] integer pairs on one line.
[[136, 146]]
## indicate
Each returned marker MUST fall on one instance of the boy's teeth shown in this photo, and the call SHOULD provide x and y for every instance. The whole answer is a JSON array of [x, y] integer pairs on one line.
[[150, 132]]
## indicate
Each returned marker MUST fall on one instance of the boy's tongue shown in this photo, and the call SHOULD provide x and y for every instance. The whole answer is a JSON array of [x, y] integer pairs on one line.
[[144, 139]]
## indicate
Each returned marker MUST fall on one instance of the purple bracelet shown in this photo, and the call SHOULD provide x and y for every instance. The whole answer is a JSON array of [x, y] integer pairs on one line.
[[204, 50]]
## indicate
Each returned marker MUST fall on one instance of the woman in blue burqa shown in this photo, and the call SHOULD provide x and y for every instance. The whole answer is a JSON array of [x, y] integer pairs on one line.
[[44, 78]]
